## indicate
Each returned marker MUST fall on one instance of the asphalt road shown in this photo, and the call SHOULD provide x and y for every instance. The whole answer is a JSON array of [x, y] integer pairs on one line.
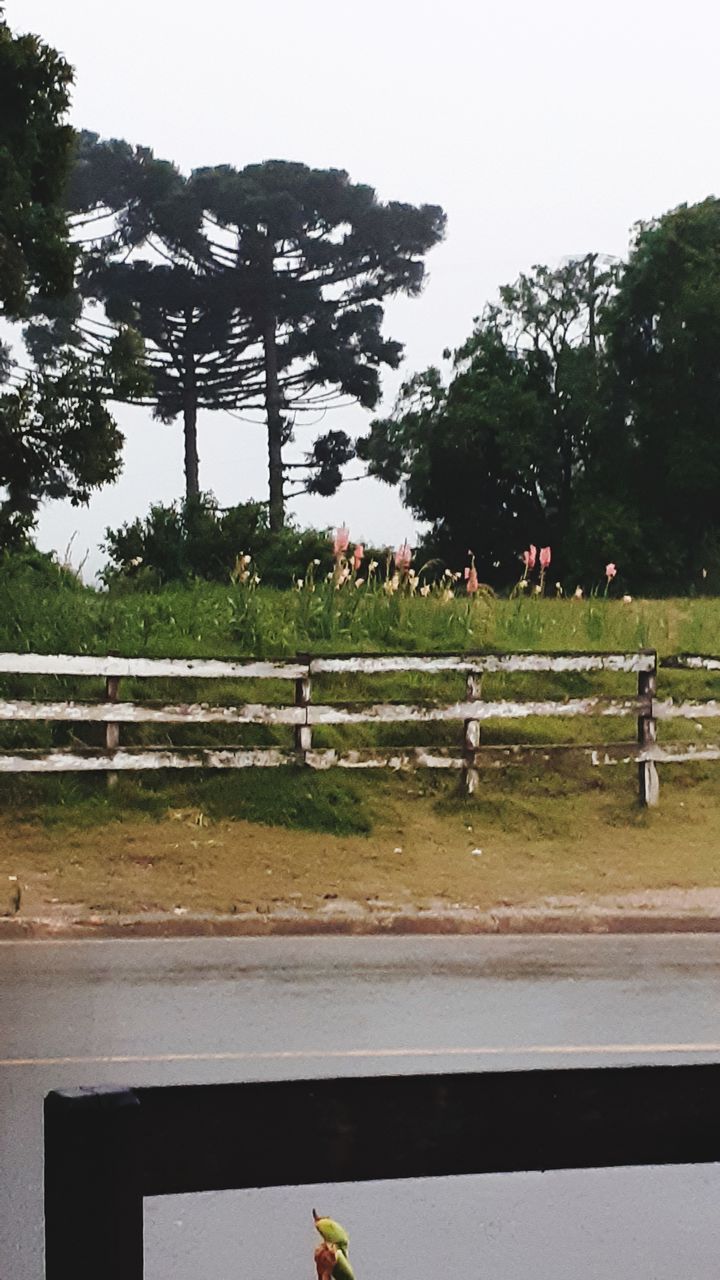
[[142, 1012]]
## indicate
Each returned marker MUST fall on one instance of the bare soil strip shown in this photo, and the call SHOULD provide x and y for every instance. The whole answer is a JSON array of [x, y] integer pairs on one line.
[[582, 860]]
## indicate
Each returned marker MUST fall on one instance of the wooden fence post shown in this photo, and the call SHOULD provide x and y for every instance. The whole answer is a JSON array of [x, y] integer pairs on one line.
[[112, 728], [303, 693], [648, 779], [471, 738]]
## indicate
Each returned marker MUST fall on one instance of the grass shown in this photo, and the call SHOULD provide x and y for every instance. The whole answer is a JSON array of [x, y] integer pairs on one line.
[[48, 612], [221, 841], [276, 797]]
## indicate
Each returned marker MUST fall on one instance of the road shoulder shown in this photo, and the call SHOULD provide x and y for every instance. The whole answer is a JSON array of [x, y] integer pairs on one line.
[[670, 911]]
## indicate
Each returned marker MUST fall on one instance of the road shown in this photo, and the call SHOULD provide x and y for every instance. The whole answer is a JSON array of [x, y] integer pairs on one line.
[[141, 1012]]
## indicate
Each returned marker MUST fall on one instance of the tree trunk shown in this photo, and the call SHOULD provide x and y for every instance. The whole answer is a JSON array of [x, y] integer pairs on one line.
[[592, 303], [192, 462], [273, 406]]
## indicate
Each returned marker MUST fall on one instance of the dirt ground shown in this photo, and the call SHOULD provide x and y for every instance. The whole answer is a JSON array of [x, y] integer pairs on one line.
[[503, 851]]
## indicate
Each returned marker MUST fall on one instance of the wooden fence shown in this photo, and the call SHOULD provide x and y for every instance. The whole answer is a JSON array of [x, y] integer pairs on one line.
[[302, 715]]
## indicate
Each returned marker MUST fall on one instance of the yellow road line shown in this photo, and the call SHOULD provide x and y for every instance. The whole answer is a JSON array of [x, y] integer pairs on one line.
[[295, 1055]]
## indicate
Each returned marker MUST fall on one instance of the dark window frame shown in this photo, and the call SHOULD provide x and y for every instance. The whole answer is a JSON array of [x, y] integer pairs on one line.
[[106, 1149]]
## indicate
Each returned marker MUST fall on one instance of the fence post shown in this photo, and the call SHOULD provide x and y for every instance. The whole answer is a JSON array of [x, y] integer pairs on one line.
[[648, 779], [112, 728], [471, 738], [303, 693]]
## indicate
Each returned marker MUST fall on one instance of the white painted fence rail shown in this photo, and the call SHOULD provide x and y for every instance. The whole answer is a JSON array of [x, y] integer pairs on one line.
[[63, 664], [303, 715], [70, 664]]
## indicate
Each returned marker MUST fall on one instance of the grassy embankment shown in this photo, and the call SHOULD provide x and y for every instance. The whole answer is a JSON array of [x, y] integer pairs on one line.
[[226, 841]]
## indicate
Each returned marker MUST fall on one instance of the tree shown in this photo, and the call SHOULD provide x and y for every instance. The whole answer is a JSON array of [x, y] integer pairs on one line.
[[35, 151], [140, 269], [663, 342], [311, 256], [504, 454], [57, 439], [251, 290], [191, 350], [145, 262]]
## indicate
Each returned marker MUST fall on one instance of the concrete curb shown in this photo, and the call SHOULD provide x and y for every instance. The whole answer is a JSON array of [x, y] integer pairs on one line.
[[464, 922]]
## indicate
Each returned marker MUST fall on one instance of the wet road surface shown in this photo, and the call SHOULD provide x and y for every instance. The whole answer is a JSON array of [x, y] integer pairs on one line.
[[196, 1010]]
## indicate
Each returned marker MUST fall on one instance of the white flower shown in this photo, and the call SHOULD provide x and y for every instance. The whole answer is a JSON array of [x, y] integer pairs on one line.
[[359, 582], [136, 560], [578, 593], [425, 591], [627, 599]]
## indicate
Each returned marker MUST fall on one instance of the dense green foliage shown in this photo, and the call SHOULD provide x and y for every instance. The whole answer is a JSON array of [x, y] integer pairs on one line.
[[196, 539], [35, 151], [581, 414], [57, 438], [662, 450], [506, 453]]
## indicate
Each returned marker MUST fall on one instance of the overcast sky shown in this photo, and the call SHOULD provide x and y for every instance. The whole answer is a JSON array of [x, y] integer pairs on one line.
[[543, 128]]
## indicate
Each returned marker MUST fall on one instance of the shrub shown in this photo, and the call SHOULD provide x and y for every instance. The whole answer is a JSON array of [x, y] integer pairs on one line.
[[198, 539], [36, 570], [43, 604]]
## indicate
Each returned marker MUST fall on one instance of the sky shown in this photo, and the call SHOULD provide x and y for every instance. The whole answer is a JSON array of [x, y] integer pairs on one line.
[[545, 130]]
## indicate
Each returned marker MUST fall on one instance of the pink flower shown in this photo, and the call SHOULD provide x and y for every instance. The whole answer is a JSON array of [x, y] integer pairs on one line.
[[403, 558], [341, 541], [472, 580], [545, 557], [529, 557], [358, 554], [610, 570]]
